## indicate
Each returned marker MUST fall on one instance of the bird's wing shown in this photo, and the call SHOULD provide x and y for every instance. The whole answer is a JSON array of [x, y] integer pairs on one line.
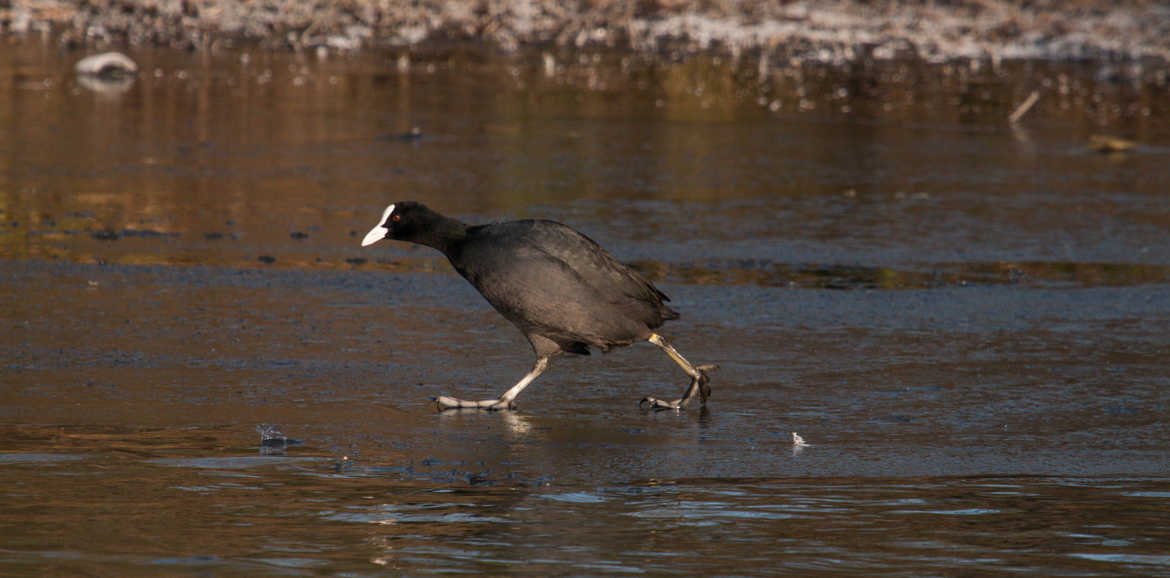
[[550, 279], [595, 266]]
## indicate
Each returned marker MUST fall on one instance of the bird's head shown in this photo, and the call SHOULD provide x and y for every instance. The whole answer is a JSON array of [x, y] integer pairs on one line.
[[416, 223], [395, 223]]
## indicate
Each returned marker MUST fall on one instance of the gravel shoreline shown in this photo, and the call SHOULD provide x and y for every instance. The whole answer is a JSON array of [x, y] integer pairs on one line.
[[833, 32]]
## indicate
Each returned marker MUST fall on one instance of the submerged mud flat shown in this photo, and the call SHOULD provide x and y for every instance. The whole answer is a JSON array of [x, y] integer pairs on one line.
[[967, 319]]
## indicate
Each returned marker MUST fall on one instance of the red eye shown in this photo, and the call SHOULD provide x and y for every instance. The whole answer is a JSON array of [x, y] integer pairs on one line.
[[396, 218]]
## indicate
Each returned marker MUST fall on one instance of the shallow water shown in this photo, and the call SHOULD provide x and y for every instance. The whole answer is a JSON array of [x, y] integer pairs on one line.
[[969, 323]]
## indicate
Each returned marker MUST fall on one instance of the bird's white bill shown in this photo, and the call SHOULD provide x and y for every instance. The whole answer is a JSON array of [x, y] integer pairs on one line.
[[378, 233]]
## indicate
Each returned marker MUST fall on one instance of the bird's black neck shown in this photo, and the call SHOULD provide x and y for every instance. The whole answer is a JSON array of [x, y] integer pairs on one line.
[[443, 233]]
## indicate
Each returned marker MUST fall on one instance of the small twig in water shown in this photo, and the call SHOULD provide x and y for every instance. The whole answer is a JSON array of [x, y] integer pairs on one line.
[[1024, 107]]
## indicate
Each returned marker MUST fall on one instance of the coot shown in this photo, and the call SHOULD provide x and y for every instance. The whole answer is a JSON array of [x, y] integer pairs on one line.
[[559, 287]]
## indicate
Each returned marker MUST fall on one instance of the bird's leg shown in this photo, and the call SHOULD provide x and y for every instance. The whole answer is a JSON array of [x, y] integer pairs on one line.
[[504, 401], [699, 380]]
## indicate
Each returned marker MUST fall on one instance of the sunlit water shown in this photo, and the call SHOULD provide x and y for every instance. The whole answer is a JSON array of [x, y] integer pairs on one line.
[[968, 322]]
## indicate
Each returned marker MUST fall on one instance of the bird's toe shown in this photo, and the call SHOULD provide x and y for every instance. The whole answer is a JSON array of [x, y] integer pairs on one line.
[[704, 380], [654, 403], [704, 389], [446, 402]]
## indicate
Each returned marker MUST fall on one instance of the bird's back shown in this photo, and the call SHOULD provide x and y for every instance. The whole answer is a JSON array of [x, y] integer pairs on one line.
[[551, 280]]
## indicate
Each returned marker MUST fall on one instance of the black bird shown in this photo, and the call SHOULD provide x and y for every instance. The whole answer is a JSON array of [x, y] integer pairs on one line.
[[559, 287]]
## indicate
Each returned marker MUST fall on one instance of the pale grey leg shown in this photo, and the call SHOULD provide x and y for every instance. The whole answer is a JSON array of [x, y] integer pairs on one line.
[[504, 401], [699, 380]]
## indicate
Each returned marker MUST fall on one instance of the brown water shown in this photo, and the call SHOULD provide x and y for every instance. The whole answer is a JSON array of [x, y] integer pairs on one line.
[[969, 323]]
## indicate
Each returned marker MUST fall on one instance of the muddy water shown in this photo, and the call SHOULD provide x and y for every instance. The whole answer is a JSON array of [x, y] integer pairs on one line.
[[968, 322]]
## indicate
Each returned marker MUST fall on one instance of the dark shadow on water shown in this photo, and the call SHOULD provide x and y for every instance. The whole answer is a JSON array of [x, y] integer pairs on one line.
[[926, 276]]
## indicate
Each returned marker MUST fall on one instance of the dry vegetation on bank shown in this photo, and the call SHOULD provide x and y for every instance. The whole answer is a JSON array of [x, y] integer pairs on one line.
[[834, 31]]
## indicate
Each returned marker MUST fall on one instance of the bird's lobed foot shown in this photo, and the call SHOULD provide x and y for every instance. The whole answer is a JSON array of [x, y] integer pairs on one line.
[[704, 380], [699, 383], [660, 404], [444, 402]]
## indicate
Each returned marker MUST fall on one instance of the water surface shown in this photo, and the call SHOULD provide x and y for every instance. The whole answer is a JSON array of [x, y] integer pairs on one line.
[[966, 320]]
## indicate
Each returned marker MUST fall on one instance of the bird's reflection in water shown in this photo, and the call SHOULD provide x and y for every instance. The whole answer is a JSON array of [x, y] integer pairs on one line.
[[515, 422]]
